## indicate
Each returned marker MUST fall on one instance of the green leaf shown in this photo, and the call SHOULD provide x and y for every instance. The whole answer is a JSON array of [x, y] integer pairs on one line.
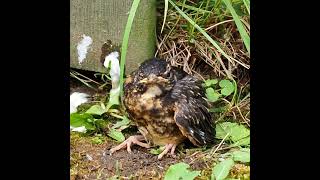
[[221, 170], [96, 109], [244, 35], [210, 82], [242, 155], [247, 4], [100, 123], [78, 120], [157, 151], [227, 87], [165, 14], [238, 134], [113, 98], [242, 142], [180, 171], [124, 122], [117, 135], [212, 95], [193, 8], [125, 41]]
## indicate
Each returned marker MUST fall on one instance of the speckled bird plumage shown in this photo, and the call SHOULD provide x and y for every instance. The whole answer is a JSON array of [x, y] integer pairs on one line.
[[168, 105]]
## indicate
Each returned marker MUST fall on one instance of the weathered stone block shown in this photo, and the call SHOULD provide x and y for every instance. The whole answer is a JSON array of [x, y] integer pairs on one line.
[[100, 21]]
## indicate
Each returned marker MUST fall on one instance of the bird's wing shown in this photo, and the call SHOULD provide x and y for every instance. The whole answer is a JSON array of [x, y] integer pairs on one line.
[[191, 111]]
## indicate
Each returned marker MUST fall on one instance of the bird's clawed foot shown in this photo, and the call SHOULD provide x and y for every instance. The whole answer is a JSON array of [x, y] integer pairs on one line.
[[127, 143], [168, 147]]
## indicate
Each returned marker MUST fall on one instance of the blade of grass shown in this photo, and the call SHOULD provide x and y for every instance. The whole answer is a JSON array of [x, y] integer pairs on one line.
[[201, 30], [125, 41], [193, 8], [245, 37], [247, 4], [191, 32], [165, 14]]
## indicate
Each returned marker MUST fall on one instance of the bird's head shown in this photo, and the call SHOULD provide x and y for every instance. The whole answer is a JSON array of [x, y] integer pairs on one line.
[[152, 86], [156, 67]]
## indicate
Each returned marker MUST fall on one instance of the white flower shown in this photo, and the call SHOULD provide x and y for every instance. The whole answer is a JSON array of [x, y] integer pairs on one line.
[[81, 129], [76, 99]]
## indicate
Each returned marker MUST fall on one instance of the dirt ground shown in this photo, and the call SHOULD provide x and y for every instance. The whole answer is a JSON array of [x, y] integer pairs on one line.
[[93, 161]]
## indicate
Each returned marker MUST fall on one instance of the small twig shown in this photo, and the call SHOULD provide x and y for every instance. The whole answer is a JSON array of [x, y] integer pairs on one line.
[[225, 148], [208, 28], [242, 116], [86, 77], [113, 111], [116, 115], [81, 80], [212, 153], [222, 64]]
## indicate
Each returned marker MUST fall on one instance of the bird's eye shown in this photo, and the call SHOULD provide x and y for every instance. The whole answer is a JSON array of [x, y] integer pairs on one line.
[[168, 75], [140, 87]]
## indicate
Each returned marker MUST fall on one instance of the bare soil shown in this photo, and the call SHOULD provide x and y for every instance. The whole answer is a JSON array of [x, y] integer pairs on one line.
[[93, 161]]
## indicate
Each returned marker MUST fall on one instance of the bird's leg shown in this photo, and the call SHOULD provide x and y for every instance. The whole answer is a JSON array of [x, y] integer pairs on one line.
[[168, 147], [131, 140]]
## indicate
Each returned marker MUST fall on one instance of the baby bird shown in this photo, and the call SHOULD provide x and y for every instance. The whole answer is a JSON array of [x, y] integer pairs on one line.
[[168, 106]]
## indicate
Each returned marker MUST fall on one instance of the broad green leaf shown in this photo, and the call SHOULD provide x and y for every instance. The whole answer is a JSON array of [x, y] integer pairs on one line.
[[238, 134], [227, 87], [222, 129], [96, 109], [212, 95], [242, 155], [180, 171], [100, 123], [242, 142], [221, 170], [78, 120], [210, 82], [113, 98], [124, 122], [157, 151], [117, 135]]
